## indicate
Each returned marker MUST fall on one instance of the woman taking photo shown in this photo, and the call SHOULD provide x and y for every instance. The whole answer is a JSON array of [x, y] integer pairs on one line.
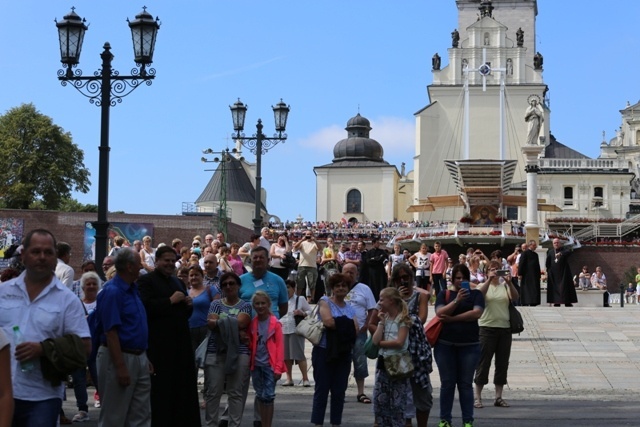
[[233, 314], [331, 358], [495, 333], [276, 254], [458, 348]]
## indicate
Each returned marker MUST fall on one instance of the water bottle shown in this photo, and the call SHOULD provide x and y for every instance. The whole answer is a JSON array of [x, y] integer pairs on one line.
[[26, 365]]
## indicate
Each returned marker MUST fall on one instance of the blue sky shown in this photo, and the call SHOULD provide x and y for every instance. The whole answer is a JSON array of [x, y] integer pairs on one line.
[[327, 60]]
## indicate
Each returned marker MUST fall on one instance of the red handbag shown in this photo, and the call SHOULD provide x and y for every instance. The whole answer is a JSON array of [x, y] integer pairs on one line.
[[434, 326]]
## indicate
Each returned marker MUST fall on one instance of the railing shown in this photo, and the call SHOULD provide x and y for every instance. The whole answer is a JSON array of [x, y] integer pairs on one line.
[[599, 164]]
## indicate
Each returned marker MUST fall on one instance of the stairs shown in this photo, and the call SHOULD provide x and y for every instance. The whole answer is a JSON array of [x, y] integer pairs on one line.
[[613, 231]]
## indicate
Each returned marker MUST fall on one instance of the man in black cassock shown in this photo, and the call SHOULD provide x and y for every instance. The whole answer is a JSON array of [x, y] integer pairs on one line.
[[376, 259], [529, 276], [560, 288], [174, 383]]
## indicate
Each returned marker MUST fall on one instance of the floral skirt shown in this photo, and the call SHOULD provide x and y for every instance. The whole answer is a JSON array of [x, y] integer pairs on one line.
[[390, 399]]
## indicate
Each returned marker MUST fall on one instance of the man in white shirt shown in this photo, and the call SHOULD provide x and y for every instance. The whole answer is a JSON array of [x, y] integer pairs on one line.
[[42, 307], [64, 272], [361, 299], [308, 264]]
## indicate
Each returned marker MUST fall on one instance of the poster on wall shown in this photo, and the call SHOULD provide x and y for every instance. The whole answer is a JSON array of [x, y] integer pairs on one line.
[[131, 231], [11, 231]]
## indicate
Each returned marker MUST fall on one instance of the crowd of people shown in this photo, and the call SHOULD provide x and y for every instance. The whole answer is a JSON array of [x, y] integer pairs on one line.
[[240, 304]]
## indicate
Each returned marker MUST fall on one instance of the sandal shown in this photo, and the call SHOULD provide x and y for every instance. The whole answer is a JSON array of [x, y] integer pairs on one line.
[[362, 398], [478, 404], [287, 384], [501, 403]]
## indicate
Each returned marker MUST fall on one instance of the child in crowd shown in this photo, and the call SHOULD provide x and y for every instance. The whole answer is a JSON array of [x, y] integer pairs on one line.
[[392, 337], [267, 355]]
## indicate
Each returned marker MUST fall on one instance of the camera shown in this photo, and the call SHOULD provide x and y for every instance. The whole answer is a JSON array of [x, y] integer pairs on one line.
[[307, 237], [502, 273]]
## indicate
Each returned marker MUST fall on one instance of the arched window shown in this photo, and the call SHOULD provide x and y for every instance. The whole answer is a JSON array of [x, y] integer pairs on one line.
[[354, 201]]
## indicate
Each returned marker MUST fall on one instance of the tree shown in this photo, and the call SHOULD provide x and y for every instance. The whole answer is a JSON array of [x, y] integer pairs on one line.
[[38, 161]]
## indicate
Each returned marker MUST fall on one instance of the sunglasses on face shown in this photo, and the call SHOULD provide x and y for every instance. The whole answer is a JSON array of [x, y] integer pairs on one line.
[[227, 284]]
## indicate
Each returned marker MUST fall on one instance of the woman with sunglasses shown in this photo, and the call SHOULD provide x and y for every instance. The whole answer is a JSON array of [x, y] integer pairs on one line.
[[228, 354]]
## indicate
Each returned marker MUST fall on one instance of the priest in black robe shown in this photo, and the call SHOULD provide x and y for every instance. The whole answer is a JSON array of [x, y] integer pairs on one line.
[[560, 289], [529, 276]]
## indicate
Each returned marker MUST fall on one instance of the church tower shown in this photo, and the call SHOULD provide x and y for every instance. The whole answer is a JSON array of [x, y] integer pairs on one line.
[[478, 99]]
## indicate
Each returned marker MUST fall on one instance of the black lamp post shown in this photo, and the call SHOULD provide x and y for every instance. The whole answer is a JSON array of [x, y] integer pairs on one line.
[[259, 144], [105, 89]]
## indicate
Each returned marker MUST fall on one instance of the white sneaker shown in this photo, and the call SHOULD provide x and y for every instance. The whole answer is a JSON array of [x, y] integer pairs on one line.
[[80, 417]]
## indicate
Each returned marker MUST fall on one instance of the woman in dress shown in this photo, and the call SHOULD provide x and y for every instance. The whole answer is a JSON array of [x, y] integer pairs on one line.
[[276, 254], [495, 333], [147, 255], [232, 313], [331, 358], [294, 343], [457, 350], [392, 337]]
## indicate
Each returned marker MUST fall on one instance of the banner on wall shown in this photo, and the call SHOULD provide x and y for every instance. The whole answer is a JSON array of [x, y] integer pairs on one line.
[[131, 231], [11, 232]]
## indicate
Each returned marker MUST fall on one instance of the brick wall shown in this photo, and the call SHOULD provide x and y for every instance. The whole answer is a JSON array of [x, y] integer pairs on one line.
[[69, 227]]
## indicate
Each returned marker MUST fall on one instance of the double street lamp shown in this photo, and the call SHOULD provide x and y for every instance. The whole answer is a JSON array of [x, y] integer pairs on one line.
[[106, 88], [259, 144]]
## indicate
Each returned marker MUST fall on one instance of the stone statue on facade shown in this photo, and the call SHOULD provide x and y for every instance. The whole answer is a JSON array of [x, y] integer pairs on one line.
[[534, 116], [435, 62], [520, 37], [538, 60], [455, 38]]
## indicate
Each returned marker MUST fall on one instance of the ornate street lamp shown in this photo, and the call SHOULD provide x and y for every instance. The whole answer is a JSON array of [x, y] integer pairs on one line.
[[259, 144], [105, 88]]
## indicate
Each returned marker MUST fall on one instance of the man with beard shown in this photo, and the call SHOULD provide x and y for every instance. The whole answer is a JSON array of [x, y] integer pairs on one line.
[[174, 393], [529, 276], [560, 288]]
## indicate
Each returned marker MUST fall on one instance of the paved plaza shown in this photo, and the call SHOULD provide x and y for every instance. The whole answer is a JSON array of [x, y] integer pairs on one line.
[[571, 366]]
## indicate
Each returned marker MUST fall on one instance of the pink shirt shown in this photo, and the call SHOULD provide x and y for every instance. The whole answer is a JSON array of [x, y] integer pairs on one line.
[[439, 262]]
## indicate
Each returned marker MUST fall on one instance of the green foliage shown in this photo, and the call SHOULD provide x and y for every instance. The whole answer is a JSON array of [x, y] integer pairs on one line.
[[629, 276], [38, 161]]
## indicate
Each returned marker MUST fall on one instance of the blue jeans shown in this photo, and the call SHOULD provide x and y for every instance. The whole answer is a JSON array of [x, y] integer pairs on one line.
[[42, 413], [329, 377], [456, 365], [80, 388], [264, 384]]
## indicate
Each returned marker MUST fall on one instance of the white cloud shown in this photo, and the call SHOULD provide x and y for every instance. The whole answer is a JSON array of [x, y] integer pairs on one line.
[[395, 134]]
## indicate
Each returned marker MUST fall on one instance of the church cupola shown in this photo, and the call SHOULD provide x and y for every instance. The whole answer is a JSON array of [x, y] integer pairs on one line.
[[358, 145]]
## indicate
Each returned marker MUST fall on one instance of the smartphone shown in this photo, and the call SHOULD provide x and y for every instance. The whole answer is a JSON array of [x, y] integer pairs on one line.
[[502, 273], [465, 285]]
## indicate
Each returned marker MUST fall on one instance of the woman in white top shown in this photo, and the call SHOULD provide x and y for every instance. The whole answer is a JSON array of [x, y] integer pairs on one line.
[[294, 343], [6, 390], [276, 255], [147, 255]]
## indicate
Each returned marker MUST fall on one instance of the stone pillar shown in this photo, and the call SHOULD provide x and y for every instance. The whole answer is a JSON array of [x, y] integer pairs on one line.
[[531, 153]]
